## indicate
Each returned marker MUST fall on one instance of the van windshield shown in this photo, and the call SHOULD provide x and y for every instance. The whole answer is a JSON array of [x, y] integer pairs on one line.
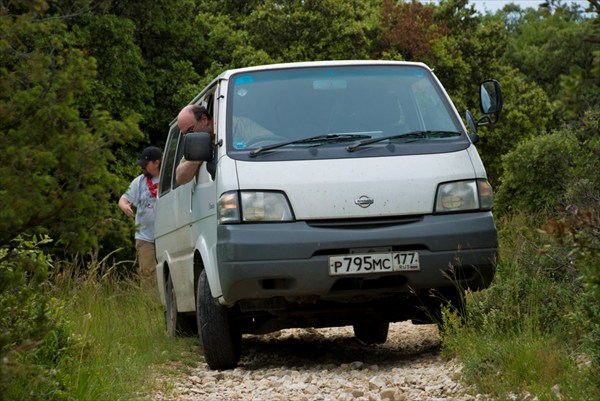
[[336, 105]]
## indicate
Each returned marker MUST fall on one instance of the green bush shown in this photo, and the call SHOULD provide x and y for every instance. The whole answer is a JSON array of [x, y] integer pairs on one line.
[[554, 171], [579, 231], [583, 190], [36, 344], [538, 326], [536, 173], [534, 285]]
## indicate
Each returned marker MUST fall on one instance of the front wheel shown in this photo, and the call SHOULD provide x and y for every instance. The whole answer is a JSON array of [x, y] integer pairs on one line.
[[221, 340], [371, 332]]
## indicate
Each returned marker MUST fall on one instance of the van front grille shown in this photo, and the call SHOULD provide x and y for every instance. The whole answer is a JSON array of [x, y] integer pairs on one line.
[[364, 223]]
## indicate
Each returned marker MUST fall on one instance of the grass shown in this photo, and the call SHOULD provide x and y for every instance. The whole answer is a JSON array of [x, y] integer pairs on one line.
[[533, 335], [520, 365], [521, 338], [122, 340]]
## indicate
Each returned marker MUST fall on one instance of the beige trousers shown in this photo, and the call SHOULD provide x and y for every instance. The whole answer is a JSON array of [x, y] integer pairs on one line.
[[147, 263]]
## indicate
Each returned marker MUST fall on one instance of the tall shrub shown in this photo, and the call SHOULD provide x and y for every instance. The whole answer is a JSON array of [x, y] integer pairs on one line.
[[35, 341]]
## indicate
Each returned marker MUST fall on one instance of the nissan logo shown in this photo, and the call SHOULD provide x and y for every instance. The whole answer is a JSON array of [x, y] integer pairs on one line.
[[364, 201]]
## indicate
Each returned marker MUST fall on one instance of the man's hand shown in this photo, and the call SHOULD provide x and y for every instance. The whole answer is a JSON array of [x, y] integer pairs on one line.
[[125, 206]]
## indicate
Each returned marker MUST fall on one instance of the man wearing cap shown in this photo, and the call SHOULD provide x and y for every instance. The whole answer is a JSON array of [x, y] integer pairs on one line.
[[142, 195]]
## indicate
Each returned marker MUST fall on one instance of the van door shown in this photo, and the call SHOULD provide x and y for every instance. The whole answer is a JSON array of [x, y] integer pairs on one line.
[[181, 211]]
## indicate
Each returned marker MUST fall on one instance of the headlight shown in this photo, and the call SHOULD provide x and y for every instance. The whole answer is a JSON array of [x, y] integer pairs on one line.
[[228, 208], [254, 207], [464, 195]]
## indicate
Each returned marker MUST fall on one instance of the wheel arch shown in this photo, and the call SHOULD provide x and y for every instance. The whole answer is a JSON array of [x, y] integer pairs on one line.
[[198, 267]]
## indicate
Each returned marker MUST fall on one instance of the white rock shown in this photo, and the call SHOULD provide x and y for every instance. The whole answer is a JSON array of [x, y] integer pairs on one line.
[[376, 383]]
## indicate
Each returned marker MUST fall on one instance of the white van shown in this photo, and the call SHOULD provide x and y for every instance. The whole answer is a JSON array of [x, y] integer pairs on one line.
[[361, 201]]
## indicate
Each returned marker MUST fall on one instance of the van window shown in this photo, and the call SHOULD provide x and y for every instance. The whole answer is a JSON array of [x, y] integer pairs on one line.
[[374, 101], [174, 148], [167, 174]]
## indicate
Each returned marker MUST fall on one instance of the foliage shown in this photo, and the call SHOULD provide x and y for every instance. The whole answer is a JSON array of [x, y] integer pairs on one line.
[[439, 36], [79, 78], [559, 51], [526, 115], [553, 170], [577, 231], [584, 182], [311, 30], [55, 174], [536, 173], [534, 332], [123, 344], [58, 342], [410, 29], [35, 339], [121, 85], [174, 55]]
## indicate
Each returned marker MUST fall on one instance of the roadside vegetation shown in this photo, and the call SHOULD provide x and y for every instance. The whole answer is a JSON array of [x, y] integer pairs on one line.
[[84, 86], [535, 331], [91, 336]]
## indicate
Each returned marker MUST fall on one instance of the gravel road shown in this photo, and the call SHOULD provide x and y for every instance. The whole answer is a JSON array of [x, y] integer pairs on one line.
[[330, 364]]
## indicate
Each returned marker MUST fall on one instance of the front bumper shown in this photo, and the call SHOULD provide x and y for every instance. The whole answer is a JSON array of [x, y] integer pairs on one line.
[[290, 260]]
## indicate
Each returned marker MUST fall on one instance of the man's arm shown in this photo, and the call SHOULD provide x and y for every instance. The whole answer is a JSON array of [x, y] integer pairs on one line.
[[125, 206], [186, 170]]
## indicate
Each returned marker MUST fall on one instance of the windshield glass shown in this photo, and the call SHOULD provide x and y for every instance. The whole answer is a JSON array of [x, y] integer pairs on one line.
[[337, 105]]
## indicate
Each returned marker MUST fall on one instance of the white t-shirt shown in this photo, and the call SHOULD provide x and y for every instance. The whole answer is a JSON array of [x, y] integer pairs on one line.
[[139, 195]]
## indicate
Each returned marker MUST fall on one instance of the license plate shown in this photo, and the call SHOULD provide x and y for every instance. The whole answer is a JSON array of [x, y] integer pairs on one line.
[[380, 262]]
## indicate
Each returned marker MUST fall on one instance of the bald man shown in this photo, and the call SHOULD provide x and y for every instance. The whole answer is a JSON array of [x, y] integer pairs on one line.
[[194, 118]]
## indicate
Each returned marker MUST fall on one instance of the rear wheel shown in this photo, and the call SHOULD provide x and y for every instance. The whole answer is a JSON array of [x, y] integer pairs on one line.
[[221, 340], [177, 324], [372, 332]]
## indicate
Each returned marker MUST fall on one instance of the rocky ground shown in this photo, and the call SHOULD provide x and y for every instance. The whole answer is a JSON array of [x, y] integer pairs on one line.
[[329, 364]]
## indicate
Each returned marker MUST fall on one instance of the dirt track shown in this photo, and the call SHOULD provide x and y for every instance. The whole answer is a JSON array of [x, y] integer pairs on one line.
[[330, 364]]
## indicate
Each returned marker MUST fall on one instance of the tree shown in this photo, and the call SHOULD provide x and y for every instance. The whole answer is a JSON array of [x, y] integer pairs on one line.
[[55, 174], [121, 85], [173, 55], [294, 30], [557, 48], [409, 29]]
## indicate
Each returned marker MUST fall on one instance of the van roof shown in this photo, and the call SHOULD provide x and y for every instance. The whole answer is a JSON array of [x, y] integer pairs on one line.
[[226, 74]]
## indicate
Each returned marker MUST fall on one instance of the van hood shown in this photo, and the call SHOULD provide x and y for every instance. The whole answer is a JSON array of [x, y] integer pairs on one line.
[[357, 187]]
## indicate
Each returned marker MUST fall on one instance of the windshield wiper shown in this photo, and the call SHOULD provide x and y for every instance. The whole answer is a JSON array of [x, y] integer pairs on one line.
[[413, 134], [328, 138]]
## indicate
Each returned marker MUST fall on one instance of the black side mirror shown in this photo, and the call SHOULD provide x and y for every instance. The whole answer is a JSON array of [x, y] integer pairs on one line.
[[490, 104], [473, 127], [197, 146]]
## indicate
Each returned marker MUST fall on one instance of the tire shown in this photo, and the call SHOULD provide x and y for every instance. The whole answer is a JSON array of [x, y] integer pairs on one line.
[[221, 340], [371, 332], [177, 324]]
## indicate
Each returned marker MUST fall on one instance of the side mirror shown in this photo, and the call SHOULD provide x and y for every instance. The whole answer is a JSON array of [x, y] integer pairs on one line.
[[490, 97], [473, 127], [490, 104], [197, 146]]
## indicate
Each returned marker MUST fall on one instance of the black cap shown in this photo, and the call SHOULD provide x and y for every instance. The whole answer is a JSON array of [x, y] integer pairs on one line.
[[149, 154]]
